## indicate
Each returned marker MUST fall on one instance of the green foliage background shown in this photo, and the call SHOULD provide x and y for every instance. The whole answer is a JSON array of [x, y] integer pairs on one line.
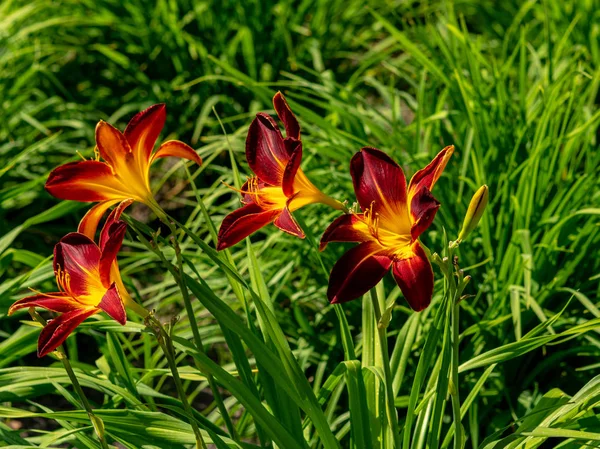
[[513, 85]]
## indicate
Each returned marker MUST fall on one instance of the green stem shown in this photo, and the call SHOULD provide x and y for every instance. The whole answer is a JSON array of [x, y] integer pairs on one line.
[[391, 408], [60, 352], [166, 344], [454, 369], [192, 319]]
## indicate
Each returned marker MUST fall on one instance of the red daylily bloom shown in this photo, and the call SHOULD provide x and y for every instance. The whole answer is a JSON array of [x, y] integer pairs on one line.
[[279, 187], [125, 172], [388, 229], [89, 282]]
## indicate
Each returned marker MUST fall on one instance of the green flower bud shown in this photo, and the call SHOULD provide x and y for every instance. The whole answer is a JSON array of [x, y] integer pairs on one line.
[[475, 211]]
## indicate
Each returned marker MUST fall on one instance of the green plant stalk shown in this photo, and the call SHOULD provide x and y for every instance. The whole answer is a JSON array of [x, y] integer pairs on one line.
[[191, 318], [97, 423], [166, 344], [454, 372], [391, 408]]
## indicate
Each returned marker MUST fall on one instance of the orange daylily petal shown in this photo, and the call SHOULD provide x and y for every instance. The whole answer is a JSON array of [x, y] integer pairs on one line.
[[347, 228], [112, 304], [112, 145], [414, 276], [85, 181], [428, 176], [423, 208], [56, 302], [292, 128], [176, 148], [89, 223], [379, 183], [57, 330], [143, 130], [286, 222], [357, 271]]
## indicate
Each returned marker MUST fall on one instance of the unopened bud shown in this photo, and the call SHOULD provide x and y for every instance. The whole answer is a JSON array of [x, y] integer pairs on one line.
[[475, 211]]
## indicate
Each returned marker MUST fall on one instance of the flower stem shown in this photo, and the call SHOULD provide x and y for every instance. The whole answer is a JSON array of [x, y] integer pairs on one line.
[[162, 215], [454, 370], [382, 334], [335, 204], [166, 343], [61, 354]]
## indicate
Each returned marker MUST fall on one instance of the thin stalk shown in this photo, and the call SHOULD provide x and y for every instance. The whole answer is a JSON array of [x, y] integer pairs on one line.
[[192, 319], [454, 370], [60, 352], [166, 344], [391, 408]]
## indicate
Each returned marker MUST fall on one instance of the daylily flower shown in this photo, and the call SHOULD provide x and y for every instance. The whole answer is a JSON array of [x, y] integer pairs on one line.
[[125, 172], [87, 280], [388, 229], [280, 186]]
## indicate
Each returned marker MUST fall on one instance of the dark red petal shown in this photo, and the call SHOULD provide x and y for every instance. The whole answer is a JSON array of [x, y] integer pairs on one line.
[[423, 208], [113, 305], [414, 276], [286, 222], [175, 148], [289, 174], [285, 114], [143, 130], [57, 330], [242, 222], [428, 176], [85, 181], [89, 223], [112, 245], [378, 180], [347, 228], [357, 271], [112, 145], [266, 152], [113, 217], [55, 302], [79, 257]]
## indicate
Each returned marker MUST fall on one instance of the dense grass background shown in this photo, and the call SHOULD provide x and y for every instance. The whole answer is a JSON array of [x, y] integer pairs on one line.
[[513, 85]]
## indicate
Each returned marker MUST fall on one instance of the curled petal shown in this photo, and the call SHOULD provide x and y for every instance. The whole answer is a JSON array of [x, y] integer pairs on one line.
[[357, 271], [347, 228], [423, 208], [286, 222], [289, 174], [415, 278], [176, 148], [379, 183], [143, 130], [292, 128], [113, 217], [112, 145], [78, 257], [55, 302], [89, 222], [428, 176], [85, 181], [242, 222], [113, 305], [266, 153], [57, 330], [112, 245]]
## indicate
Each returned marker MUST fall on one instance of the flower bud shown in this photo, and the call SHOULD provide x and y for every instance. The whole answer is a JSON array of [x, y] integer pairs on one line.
[[475, 211]]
